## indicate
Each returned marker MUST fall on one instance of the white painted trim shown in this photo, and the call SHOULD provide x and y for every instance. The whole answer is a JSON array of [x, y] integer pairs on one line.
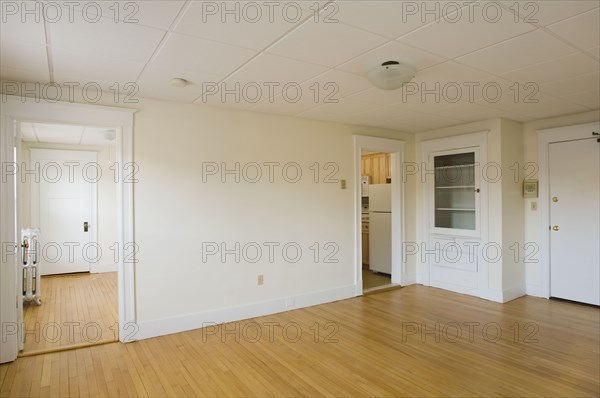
[[99, 268], [513, 293], [16, 108], [181, 323], [534, 290], [400, 275], [545, 138], [9, 343]]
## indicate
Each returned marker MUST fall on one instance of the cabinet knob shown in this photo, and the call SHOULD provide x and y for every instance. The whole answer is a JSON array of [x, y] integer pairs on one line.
[[477, 190], [555, 228]]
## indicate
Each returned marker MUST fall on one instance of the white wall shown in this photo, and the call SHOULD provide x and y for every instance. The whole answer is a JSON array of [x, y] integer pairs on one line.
[[107, 199], [176, 212], [532, 229]]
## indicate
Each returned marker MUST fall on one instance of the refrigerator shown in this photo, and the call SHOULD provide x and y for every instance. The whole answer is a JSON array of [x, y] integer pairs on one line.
[[380, 228]]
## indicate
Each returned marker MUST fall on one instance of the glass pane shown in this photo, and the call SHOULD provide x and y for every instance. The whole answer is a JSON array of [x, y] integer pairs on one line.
[[455, 191]]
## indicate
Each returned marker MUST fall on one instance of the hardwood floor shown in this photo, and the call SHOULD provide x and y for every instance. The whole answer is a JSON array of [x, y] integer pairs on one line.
[[407, 342], [371, 279], [76, 309]]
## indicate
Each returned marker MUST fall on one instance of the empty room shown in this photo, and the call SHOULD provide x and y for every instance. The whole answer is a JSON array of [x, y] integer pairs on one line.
[[303, 198]]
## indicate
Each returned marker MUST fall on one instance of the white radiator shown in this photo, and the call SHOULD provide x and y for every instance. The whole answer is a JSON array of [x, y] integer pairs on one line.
[[30, 246]]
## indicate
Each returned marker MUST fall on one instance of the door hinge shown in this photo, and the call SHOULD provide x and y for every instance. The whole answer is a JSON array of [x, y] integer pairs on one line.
[[594, 133]]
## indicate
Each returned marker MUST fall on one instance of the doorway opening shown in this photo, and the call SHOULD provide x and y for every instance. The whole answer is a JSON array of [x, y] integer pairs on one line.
[[67, 195], [379, 215], [376, 219], [13, 112]]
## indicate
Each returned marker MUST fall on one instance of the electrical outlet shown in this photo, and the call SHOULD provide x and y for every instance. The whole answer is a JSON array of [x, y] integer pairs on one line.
[[261, 280], [533, 206]]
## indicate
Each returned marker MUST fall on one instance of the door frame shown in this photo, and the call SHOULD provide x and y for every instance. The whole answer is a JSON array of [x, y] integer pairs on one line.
[[15, 109], [545, 138], [34, 192], [396, 150]]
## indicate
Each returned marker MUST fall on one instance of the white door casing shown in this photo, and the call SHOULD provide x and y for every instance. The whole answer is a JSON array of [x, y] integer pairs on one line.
[[63, 198], [574, 186], [15, 109], [400, 274]]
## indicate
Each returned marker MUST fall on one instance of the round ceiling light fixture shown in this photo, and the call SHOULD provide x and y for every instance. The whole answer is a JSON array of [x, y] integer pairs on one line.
[[179, 82], [391, 75]]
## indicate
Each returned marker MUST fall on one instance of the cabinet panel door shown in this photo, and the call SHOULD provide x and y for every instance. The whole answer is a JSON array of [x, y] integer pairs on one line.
[[454, 192]]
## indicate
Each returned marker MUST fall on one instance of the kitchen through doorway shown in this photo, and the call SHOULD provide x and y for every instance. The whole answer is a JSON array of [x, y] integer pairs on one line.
[[376, 220]]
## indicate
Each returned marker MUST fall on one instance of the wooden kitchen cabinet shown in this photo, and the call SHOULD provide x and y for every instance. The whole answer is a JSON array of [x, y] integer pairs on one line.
[[365, 244], [377, 166]]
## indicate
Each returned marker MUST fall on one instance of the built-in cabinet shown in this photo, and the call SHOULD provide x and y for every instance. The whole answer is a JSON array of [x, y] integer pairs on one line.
[[377, 166], [365, 244], [454, 196]]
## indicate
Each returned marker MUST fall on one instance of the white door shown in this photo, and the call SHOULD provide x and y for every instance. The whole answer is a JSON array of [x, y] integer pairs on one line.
[[63, 204], [575, 220]]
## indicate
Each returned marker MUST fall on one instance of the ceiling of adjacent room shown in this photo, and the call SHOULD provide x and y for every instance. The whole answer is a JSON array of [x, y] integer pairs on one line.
[[67, 134], [553, 44]]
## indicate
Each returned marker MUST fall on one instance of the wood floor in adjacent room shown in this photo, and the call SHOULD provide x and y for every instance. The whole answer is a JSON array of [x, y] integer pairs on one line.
[[77, 309], [406, 342]]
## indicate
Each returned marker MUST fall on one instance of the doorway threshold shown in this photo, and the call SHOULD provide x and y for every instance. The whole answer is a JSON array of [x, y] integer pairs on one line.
[[381, 289]]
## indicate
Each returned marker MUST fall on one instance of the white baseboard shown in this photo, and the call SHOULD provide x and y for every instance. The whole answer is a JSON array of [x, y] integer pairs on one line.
[[181, 323], [409, 279], [106, 267], [534, 290], [513, 293]]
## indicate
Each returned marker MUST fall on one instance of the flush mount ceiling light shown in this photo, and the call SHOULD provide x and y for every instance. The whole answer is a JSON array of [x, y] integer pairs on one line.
[[179, 82], [391, 75]]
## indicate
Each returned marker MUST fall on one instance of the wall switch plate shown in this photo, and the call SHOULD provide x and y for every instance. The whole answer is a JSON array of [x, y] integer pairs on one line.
[[261, 280], [533, 206]]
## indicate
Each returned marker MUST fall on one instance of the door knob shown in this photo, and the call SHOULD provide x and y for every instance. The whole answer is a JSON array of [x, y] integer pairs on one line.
[[86, 226], [555, 228]]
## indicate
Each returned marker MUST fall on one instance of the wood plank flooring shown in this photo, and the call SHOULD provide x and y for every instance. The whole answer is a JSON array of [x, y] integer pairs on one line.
[[76, 309], [414, 341], [372, 279]]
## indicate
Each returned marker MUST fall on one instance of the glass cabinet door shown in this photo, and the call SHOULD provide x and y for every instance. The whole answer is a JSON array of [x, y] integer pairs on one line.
[[455, 190]]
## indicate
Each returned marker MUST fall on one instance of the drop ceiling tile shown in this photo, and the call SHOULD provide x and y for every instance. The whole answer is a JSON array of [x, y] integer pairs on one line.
[[23, 75], [54, 133], [252, 25], [463, 32], [155, 83], [589, 99], [517, 53], [204, 56], [392, 51], [572, 85], [328, 44], [544, 12], [274, 69], [69, 65], [345, 109], [444, 83], [556, 69], [98, 136], [582, 30], [329, 87], [113, 42], [389, 18], [18, 26], [595, 52], [155, 13], [27, 55], [540, 103]]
